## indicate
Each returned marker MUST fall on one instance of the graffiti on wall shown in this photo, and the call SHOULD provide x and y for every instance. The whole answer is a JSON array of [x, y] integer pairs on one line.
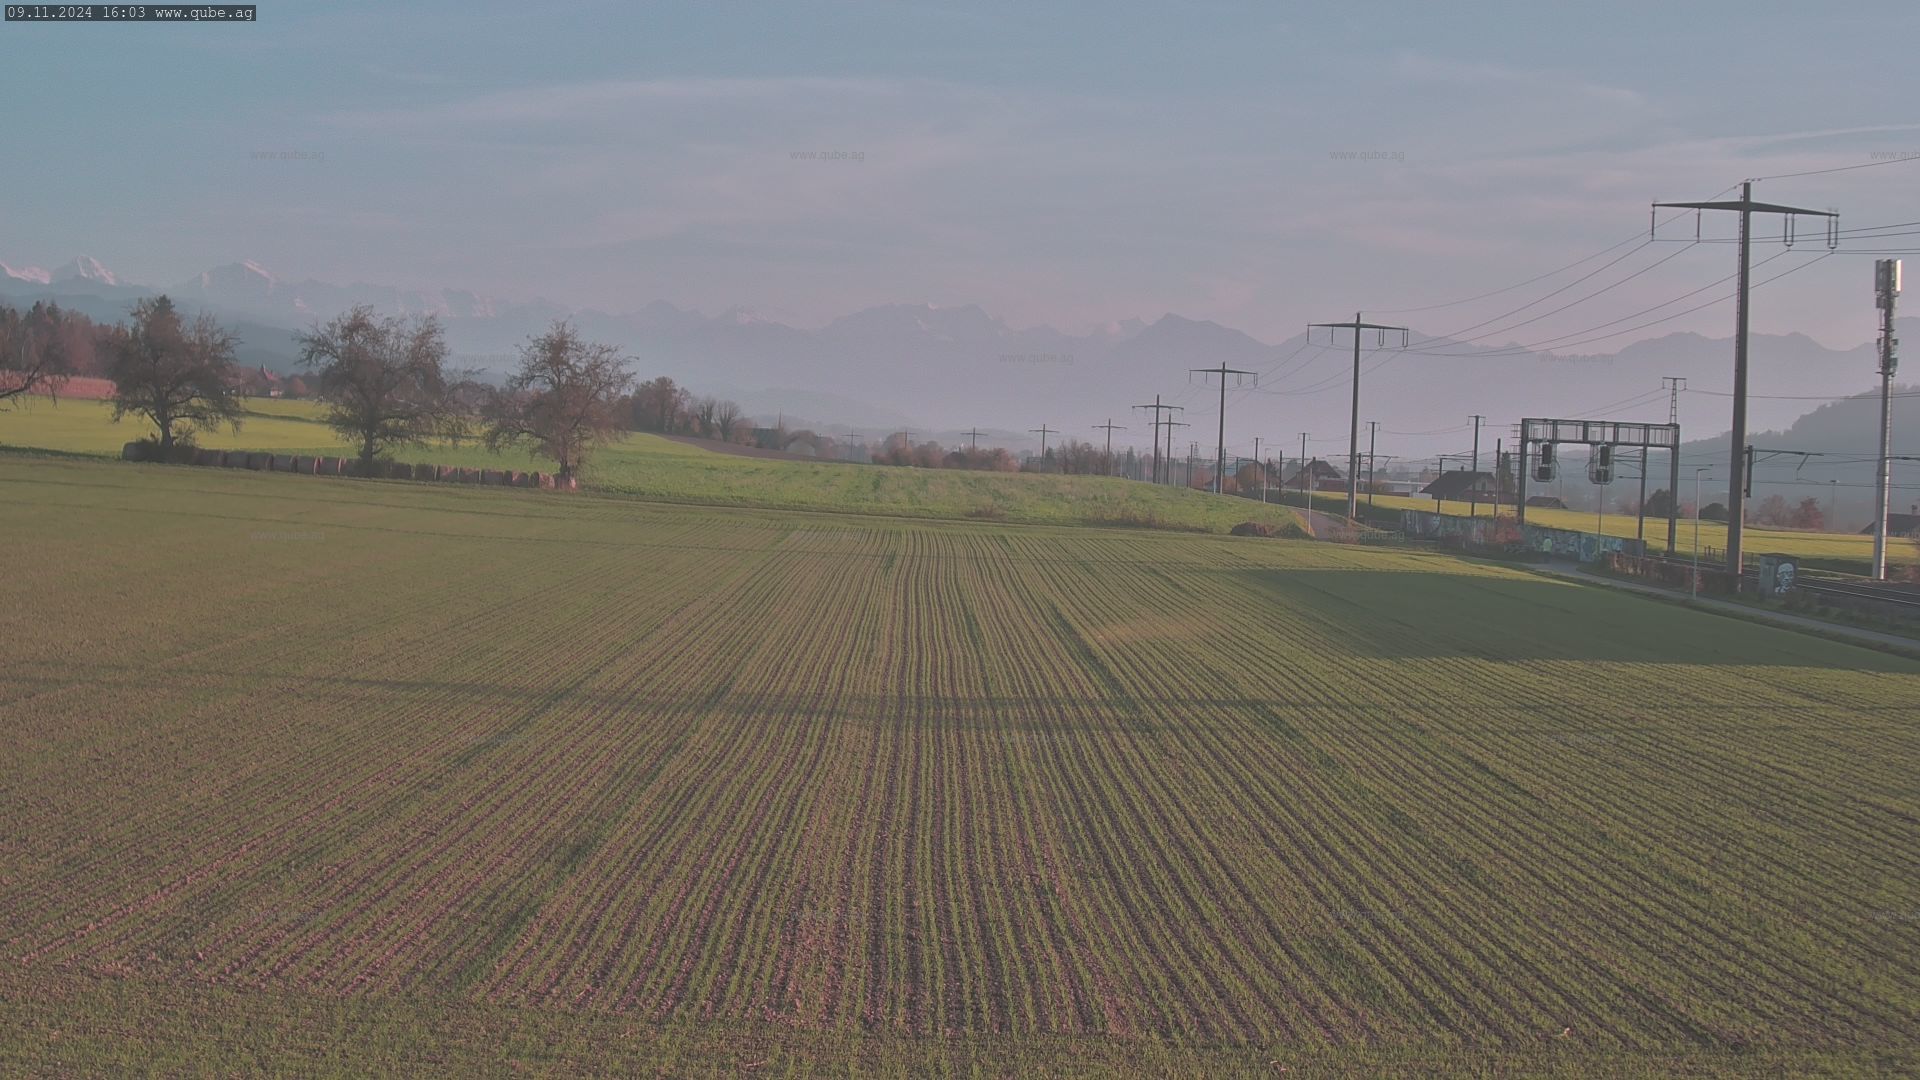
[[1555, 543]]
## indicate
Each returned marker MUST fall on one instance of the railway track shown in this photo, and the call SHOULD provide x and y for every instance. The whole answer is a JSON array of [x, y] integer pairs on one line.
[[1885, 594], [1820, 583]]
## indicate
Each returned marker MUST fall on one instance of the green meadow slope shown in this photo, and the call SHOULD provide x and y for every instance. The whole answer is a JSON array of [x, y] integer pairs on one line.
[[650, 467]]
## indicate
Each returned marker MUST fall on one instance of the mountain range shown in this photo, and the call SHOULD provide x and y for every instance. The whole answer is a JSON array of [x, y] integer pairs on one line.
[[942, 370]]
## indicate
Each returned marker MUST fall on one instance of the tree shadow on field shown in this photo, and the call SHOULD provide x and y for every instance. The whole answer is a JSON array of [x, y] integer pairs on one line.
[[1409, 614]]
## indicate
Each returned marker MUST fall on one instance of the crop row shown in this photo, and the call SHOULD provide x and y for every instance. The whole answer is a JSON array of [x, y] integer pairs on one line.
[[854, 776]]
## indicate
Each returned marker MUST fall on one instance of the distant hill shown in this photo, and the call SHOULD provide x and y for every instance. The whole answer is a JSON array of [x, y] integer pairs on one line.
[[1849, 430]]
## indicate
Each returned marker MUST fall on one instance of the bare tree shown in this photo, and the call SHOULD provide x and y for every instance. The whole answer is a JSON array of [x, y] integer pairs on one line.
[[34, 353], [726, 420], [564, 400], [180, 376], [382, 378], [704, 412], [466, 402]]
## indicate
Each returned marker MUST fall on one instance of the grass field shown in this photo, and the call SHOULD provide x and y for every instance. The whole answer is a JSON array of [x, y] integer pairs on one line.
[[649, 467], [373, 777]]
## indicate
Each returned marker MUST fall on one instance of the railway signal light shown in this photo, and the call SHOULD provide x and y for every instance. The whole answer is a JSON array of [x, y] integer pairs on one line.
[[1600, 470], [1546, 469]]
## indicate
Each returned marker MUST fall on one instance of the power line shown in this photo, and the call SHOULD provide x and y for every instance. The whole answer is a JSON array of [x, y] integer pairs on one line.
[[1861, 396], [1624, 318], [1838, 169], [1519, 285], [1540, 277], [1518, 350], [1456, 335], [1574, 303]]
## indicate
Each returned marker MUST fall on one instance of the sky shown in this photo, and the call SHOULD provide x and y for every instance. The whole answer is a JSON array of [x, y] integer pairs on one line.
[[1067, 164]]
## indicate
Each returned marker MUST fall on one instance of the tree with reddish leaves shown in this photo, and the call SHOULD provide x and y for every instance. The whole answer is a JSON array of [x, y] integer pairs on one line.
[[1808, 515], [563, 402]]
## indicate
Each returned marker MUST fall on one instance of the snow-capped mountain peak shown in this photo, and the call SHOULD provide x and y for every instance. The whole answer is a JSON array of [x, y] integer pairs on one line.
[[86, 268], [26, 273], [246, 278]]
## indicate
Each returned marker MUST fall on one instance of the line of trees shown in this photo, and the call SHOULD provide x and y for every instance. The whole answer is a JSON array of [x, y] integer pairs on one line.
[[896, 449], [386, 384], [176, 373], [660, 405], [43, 347], [1776, 511], [384, 380]]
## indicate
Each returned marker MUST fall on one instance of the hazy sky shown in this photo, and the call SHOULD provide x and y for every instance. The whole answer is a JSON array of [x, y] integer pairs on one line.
[[1070, 164]]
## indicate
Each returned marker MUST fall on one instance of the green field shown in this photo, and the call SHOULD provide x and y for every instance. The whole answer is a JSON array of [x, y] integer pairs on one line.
[[380, 778], [650, 467]]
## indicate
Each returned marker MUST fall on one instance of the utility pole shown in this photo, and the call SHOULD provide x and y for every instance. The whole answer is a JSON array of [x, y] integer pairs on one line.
[[1110, 428], [1499, 475], [1672, 384], [1640, 508], [1263, 469], [1746, 208], [1170, 425], [973, 439], [1306, 500], [1373, 432], [1157, 408], [1353, 433], [1473, 497], [1696, 529], [1043, 431], [1886, 280], [1220, 459]]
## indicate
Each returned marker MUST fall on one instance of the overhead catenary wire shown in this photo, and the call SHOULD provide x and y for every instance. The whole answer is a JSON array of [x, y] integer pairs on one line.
[[1539, 277], [1615, 322], [1840, 168], [1522, 349]]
